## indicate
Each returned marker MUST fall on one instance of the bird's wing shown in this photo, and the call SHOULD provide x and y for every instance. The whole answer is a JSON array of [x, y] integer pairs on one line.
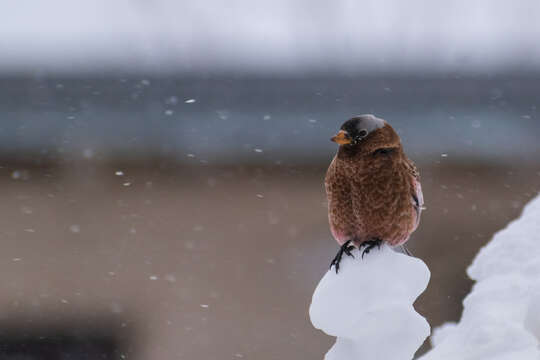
[[416, 190]]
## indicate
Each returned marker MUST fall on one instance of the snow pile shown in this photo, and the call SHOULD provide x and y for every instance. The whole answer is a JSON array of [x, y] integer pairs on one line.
[[368, 306], [501, 316]]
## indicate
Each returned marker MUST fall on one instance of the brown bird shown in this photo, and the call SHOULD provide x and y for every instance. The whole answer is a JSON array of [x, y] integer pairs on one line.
[[373, 189]]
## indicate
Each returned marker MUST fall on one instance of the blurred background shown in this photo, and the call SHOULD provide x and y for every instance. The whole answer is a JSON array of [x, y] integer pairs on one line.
[[162, 162]]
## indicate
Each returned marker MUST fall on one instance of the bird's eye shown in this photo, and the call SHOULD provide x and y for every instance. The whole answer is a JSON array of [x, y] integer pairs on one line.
[[362, 133]]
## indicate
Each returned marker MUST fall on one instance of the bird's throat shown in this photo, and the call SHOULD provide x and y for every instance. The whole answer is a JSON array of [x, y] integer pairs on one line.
[[348, 152]]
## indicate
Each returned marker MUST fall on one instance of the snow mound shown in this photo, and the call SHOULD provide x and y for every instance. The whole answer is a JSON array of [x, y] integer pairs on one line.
[[501, 316], [441, 332], [369, 306]]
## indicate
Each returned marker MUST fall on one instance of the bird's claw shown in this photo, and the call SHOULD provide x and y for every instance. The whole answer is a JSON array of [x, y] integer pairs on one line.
[[370, 244], [348, 250], [345, 248]]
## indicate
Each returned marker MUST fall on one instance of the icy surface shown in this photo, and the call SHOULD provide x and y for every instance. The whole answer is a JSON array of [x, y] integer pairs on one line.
[[368, 306], [501, 316]]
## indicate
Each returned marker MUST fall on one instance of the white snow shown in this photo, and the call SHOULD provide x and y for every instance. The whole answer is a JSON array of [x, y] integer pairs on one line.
[[368, 306], [88, 153], [441, 332], [501, 316]]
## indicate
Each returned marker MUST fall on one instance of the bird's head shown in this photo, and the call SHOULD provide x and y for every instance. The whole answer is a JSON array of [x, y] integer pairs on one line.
[[366, 134]]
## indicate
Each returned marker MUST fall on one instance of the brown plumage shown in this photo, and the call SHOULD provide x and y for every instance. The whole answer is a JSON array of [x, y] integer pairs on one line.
[[373, 189]]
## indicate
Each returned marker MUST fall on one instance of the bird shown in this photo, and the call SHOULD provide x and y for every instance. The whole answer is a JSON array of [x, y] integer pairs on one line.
[[373, 189]]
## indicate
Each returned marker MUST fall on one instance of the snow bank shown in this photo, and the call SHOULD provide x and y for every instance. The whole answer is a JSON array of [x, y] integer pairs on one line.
[[501, 316], [368, 306]]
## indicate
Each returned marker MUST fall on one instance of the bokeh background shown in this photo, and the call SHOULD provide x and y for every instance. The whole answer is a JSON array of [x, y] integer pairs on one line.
[[162, 162]]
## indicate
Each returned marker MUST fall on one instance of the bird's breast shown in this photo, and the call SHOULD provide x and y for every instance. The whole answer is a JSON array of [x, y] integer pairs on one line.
[[383, 202], [369, 201]]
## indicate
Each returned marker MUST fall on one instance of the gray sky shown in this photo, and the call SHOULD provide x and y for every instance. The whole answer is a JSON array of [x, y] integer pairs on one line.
[[278, 36]]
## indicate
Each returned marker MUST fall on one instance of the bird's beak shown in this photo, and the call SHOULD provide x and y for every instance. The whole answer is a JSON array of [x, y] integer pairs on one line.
[[342, 138]]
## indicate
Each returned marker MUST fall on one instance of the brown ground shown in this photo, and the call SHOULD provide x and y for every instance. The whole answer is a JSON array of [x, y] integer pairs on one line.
[[216, 262]]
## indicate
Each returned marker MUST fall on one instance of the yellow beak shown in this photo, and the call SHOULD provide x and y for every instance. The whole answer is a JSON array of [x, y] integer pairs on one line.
[[342, 138]]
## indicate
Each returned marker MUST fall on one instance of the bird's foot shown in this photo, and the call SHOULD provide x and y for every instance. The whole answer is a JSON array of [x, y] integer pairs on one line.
[[345, 248], [370, 244]]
